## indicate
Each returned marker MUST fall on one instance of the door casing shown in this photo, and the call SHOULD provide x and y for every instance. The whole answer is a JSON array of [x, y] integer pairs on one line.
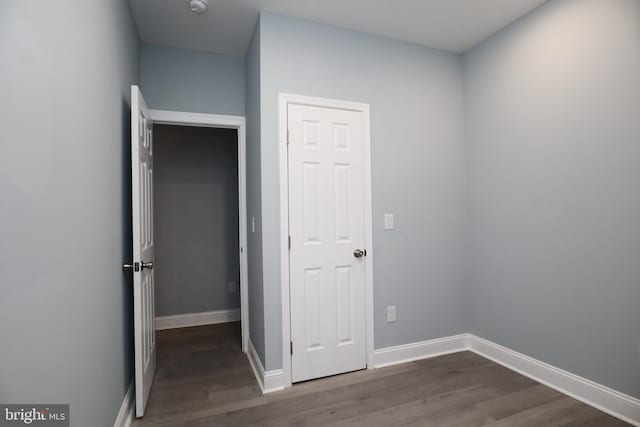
[[284, 101], [228, 122]]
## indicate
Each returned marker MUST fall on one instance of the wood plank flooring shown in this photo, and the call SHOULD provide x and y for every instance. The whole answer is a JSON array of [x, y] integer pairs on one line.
[[204, 380]]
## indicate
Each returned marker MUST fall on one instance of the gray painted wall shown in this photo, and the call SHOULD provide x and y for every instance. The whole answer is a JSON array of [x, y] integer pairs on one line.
[[187, 80], [553, 131], [65, 227], [195, 219], [552, 107], [416, 98], [254, 200]]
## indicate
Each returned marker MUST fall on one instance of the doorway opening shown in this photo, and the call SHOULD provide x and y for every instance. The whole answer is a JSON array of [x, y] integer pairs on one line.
[[196, 224], [200, 221]]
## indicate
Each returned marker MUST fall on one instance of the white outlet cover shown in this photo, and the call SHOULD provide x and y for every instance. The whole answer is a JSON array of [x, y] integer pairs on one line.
[[391, 313], [388, 221]]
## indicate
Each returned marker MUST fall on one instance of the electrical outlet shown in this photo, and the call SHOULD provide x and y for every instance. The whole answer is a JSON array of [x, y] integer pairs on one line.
[[391, 313], [232, 287]]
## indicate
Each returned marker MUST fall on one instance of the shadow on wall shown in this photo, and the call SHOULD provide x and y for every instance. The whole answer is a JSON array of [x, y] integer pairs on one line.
[[127, 245]]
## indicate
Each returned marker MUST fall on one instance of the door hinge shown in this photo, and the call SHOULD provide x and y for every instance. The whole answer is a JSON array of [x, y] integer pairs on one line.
[[291, 347], [289, 242], [287, 136]]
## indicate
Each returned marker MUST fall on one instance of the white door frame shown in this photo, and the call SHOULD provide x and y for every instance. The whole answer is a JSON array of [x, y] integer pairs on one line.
[[229, 122], [284, 100]]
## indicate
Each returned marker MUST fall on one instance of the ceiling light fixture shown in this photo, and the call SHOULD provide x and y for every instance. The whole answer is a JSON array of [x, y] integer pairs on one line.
[[198, 6]]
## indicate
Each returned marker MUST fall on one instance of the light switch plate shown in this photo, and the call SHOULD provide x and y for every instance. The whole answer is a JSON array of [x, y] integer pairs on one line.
[[388, 221], [391, 313]]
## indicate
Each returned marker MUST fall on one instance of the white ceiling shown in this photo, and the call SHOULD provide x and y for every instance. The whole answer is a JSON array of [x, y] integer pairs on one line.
[[227, 26]]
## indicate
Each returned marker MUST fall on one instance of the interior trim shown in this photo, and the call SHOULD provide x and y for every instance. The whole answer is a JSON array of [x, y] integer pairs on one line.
[[126, 413], [269, 381], [605, 399], [197, 319]]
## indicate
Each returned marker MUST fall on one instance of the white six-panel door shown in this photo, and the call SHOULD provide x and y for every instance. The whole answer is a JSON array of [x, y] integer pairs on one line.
[[143, 252], [327, 226]]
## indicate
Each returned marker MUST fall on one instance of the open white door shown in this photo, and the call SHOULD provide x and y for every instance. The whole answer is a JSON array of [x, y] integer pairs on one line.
[[143, 283]]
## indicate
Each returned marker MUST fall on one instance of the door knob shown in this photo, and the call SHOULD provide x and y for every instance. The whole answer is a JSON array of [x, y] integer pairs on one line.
[[148, 265], [359, 253]]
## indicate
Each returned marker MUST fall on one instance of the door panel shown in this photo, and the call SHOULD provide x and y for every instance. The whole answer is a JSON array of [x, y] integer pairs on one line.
[[143, 249], [326, 223]]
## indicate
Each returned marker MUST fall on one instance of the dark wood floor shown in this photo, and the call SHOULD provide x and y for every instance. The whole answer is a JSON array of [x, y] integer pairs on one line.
[[203, 379]]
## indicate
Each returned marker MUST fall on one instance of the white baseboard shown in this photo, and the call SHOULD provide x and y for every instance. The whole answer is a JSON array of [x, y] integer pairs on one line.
[[269, 381], [420, 350], [615, 403], [607, 400], [125, 414], [197, 319]]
